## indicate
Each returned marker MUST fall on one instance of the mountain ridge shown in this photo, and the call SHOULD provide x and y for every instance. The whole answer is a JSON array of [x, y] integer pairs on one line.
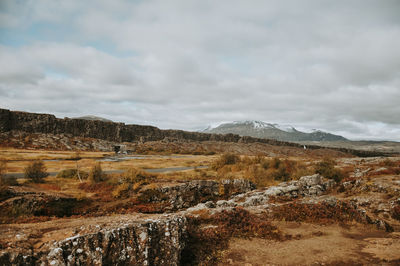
[[93, 118], [260, 129]]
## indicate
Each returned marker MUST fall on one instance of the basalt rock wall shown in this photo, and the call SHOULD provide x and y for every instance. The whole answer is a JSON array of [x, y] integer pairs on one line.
[[146, 242], [119, 132]]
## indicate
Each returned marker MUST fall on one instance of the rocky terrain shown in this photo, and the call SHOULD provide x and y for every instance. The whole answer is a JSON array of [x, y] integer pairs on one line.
[[157, 239], [259, 129]]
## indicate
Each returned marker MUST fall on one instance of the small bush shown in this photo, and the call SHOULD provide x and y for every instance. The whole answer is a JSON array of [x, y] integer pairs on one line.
[[36, 171], [120, 190], [275, 163], [134, 175], [72, 173], [327, 169], [282, 173], [259, 176], [225, 159], [9, 181], [265, 164], [96, 174]]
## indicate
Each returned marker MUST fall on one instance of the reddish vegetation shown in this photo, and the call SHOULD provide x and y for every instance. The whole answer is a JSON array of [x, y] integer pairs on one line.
[[316, 212], [49, 187], [204, 242], [103, 190], [388, 171]]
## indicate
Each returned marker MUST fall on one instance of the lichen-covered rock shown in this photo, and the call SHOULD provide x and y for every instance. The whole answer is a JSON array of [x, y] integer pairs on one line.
[[306, 186], [149, 242], [36, 203], [188, 194]]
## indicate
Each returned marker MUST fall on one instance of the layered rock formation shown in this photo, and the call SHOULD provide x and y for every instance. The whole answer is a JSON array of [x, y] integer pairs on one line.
[[188, 194], [124, 241]]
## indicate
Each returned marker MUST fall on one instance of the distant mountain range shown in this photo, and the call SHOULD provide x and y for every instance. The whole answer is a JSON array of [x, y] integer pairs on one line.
[[93, 117], [259, 129]]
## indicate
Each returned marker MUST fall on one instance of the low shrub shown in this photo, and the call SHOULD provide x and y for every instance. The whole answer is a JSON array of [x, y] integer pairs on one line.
[[225, 159], [9, 181], [134, 175], [327, 169], [121, 190], [36, 171], [72, 173], [275, 163], [259, 175], [133, 179], [96, 174]]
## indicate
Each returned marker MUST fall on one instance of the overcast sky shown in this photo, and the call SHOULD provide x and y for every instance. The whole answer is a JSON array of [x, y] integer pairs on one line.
[[330, 65]]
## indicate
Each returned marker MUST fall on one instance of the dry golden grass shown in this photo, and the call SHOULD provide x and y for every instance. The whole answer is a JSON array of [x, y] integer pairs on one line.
[[18, 159], [24, 154]]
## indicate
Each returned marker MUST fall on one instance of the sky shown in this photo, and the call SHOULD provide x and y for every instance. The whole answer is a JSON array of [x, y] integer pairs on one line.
[[313, 64]]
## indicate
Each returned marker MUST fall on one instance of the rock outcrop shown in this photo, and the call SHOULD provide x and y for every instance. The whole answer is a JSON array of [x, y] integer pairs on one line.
[[15, 202], [313, 185], [129, 242], [188, 194]]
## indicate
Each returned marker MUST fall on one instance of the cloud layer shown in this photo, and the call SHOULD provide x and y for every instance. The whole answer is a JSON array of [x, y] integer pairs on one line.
[[186, 64]]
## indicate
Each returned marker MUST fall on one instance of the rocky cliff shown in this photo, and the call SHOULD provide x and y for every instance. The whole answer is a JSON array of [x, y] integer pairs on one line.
[[119, 132]]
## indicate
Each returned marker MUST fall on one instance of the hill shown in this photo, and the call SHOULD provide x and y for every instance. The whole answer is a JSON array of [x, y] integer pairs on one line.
[[259, 129]]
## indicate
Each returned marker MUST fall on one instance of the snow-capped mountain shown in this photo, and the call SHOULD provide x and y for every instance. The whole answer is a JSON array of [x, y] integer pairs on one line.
[[261, 129], [93, 117]]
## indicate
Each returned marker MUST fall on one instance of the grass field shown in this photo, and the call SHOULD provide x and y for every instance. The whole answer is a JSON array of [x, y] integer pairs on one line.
[[55, 161]]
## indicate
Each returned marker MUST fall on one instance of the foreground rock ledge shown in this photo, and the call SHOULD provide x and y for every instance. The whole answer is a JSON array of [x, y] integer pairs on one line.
[[113, 240]]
